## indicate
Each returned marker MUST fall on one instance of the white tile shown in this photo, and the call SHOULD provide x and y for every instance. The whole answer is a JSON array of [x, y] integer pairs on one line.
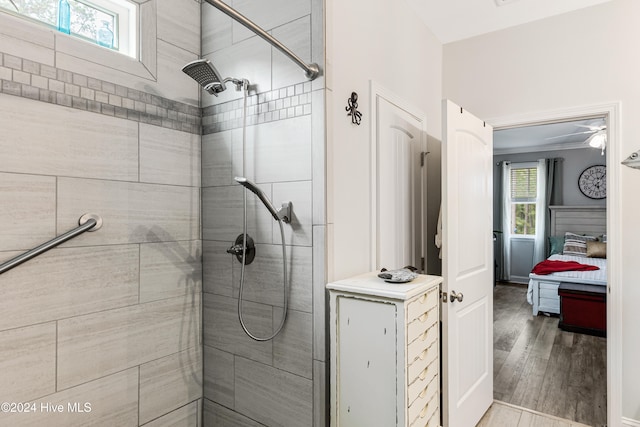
[[217, 268], [293, 347], [222, 329], [271, 396], [216, 29], [112, 400], [319, 293], [68, 282], [169, 156], [218, 376], [168, 383], [187, 416], [27, 211], [170, 269], [131, 212], [221, 158], [179, 23], [264, 277], [217, 415], [27, 362], [280, 151], [98, 344], [172, 82], [298, 231], [28, 45], [318, 30], [296, 35], [318, 141], [96, 146]]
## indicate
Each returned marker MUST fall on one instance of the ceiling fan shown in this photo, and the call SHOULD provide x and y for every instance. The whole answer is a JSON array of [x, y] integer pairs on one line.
[[597, 135]]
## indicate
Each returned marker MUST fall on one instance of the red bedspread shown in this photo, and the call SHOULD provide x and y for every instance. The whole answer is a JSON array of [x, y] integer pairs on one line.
[[548, 267]]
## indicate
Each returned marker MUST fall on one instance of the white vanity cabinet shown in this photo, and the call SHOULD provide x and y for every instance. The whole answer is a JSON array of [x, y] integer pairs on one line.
[[385, 346]]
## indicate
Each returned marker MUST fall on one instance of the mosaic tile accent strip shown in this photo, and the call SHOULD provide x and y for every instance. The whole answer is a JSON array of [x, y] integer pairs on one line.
[[278, 104], [40, 82]]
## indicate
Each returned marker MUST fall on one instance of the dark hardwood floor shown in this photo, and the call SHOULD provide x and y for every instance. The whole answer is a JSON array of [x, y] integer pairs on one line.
[[540, 367]]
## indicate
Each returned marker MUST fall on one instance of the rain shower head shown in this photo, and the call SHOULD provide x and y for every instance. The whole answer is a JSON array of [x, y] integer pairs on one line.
[[283, 214], [203, 72]]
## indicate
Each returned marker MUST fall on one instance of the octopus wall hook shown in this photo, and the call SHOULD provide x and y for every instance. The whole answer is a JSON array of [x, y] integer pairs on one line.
[[352, 108]]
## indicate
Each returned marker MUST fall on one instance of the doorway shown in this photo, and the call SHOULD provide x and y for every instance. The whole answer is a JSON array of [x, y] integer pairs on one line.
[[537, 365]]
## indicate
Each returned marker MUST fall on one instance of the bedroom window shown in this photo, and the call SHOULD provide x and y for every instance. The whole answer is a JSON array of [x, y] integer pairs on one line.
[[109, 23], [523, 191]]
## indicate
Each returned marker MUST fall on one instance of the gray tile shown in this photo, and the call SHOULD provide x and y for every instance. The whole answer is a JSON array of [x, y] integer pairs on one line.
[[27, 212], [168, 383], [292, 347], [172, 82], [170, 269], [221, 158], [298, 231], [113, 401], [320, 397], [168, 156], [222, 329], [98, 344], [68, 282], [27, 362], [319, 154], [264, 277], [186, 416], [217, 415], [216, 29], [268, 14], [296, 35], [217, 268], [179, 23], [219, 376], [320, 307], [272, 396], [68, 153], [131, 212]]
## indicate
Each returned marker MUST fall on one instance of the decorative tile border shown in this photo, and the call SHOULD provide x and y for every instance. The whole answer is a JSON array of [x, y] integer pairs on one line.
[[278, 104], [40, 82]]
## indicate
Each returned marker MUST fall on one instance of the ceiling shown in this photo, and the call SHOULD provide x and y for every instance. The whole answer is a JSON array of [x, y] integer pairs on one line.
[[544, 137], [452, 20]]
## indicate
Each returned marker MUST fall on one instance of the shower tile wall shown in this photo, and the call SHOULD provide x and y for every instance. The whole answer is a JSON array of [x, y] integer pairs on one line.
[[111, 318], [279, 382]]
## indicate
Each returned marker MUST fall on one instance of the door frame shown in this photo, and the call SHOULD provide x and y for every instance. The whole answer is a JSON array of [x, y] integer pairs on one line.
[[376, 90], [614, 257]]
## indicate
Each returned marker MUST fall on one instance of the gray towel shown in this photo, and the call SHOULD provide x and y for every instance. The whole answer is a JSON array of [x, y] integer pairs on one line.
[[402, 275]]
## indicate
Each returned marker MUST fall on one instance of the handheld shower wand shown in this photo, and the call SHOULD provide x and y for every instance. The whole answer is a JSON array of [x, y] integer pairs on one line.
[[283, 214]]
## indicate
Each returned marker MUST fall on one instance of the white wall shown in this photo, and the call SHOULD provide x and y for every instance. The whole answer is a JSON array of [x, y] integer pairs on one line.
[[384, 42], [581, 58]]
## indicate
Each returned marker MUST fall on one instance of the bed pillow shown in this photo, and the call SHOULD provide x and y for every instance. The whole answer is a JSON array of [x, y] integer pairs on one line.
[[576, 244], [603, 238], [596, 249], [556, 244]]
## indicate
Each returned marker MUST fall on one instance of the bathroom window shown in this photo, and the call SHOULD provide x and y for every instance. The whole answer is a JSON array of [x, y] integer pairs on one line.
[[109, 23]]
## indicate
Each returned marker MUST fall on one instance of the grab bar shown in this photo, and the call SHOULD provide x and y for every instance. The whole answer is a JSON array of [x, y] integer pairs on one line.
[[88, 222]]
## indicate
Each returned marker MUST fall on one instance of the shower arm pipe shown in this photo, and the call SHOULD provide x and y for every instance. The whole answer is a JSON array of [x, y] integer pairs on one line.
[[311, 70], [88, 222]]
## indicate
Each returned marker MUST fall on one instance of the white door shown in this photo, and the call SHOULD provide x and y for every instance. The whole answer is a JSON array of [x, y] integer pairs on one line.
[[467, 266], [400, 182]]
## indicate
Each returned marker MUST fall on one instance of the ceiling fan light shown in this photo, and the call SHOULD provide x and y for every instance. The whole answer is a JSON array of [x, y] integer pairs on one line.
[[598, 140]]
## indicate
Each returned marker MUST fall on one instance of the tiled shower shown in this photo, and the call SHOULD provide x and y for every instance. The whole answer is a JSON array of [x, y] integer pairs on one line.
[[139, 318]]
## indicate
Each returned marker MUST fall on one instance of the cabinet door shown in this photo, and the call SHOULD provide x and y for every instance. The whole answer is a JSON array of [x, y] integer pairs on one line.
[[366, 363]]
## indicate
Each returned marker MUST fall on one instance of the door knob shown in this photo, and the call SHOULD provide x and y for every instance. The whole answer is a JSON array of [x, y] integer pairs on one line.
[[455, 296]]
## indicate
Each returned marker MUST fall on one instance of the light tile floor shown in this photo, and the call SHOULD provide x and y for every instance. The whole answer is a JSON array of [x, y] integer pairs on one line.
[[502, 414]]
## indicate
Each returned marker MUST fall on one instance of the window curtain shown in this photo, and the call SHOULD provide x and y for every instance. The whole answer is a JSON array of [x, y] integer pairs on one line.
[[542, 207], [506, 220], [553, 195]]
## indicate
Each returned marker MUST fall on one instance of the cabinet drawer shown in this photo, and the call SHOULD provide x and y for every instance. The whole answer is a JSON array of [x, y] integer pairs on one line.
[[422, 304], [421, 324], [422, 342], [422, 361], [420, 384], [423, 408]]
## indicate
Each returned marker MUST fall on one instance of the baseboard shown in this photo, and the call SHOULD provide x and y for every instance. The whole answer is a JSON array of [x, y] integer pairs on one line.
[[523, 280], [628, 422]]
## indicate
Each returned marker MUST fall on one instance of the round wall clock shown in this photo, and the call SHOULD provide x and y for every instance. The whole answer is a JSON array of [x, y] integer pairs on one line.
[[593, 182]]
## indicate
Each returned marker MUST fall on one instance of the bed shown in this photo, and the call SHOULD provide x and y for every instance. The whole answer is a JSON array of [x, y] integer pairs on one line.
[[542, 293]]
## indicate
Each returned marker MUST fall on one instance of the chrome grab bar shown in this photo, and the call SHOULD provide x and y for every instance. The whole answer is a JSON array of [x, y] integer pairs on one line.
[[311, 70], [88, 222]]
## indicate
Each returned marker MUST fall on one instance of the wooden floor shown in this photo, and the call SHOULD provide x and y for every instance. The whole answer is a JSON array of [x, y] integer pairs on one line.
[[504, 415], [540, 367]]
